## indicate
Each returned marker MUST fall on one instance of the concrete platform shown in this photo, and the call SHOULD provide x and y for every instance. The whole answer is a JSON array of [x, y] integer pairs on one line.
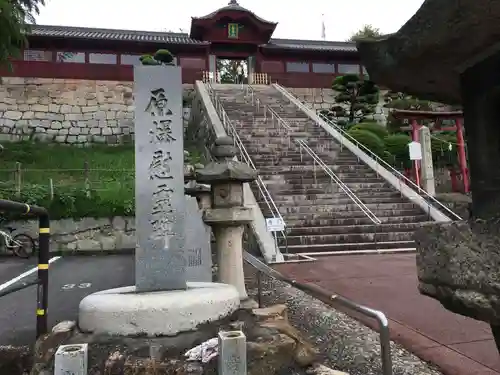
[[456, 344], [123, 312]]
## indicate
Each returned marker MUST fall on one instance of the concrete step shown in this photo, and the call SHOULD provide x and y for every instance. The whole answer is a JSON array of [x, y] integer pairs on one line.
[[311, 188], [319, 174], [301, 169], [315, 191], [378, 209], [296, 221], [383, 216], [351, 238], [336, 196], [352, 229], [307, 181], [326, 248], [336, 199]]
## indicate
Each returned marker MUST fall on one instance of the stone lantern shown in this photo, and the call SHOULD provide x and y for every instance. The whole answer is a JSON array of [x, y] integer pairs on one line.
[[227, 215]]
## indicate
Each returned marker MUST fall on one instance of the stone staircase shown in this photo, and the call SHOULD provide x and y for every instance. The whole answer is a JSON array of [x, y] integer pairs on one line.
[[320, 217]]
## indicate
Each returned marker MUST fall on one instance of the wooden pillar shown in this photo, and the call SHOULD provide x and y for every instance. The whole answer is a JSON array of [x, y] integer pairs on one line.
[[462, 159]]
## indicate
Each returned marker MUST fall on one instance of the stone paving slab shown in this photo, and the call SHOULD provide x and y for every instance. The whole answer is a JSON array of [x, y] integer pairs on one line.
[[456, 344]]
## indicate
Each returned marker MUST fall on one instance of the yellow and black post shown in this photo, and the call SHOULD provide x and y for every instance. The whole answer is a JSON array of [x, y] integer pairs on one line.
[[43, 258], [43, 275]]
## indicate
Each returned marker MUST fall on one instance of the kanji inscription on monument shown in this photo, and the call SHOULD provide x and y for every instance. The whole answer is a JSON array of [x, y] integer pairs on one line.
[[159, 186]]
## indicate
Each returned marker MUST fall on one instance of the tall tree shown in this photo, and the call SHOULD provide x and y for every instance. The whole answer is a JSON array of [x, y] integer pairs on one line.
[[15, 19], [367, 31]]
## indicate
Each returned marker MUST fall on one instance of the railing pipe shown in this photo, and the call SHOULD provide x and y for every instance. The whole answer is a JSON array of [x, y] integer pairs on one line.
[[322, 164], [230, 130], [421, 192], [43, 257], [333, 300]]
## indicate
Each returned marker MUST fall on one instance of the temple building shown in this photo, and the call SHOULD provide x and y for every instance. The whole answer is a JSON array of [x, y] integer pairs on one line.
[[231, 32]]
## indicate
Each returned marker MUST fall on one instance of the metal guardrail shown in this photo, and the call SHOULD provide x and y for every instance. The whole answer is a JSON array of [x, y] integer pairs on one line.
[[43, 260], [379, 161], [316, 159], [245, 157], [338, 181], [332, 300]]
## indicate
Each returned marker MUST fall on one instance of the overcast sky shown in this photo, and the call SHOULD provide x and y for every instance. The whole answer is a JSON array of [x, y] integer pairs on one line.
[[296, 19]]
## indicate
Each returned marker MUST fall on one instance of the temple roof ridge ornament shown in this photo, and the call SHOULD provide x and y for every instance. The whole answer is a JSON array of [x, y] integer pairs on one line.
[[233, 5]]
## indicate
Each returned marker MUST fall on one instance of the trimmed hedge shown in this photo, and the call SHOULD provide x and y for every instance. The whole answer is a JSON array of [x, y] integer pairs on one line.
[[369, 140], [397, 146], [378, 130]]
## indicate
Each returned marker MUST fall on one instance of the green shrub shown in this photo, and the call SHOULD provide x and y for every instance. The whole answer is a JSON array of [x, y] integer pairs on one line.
[[442, 156], [374, 143], [378, 130], [164, 56], [397, 146]]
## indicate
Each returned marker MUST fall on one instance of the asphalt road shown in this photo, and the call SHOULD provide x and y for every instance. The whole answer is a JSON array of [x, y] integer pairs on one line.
[[71, 278]]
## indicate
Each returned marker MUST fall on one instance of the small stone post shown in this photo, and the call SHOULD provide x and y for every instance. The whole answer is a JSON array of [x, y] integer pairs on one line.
[[427, 168], [228, 216]]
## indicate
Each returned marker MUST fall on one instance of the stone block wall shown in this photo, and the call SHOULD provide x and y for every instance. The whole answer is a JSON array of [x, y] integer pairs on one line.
[[320, 98], [66, 111], [87, 234]]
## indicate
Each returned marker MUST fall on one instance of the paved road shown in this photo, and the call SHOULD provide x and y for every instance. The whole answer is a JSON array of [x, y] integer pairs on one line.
[[458, 345], [71, 279]]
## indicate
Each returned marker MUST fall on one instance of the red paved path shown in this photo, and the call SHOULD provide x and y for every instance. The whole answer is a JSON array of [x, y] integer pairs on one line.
[[458, 345]]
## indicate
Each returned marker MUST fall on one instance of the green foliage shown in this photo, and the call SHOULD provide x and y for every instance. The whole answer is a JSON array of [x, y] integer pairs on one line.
[[358, 95], [378, 130], [228, 70], [396, 146], [104, 189], [442, 156], [164, 56], [148, 60], [373, 142], [160, 57], [398, 100], [15, 17], [366, 32]]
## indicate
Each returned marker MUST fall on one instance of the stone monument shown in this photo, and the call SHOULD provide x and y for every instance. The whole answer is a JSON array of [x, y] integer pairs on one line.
[[163, 301]]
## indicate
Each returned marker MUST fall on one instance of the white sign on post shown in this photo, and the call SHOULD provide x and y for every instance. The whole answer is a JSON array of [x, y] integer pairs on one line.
[[415, 150], [275, 224]]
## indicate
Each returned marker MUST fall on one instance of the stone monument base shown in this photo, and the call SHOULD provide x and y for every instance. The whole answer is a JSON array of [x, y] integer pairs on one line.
[[123, 312], [274, 347]]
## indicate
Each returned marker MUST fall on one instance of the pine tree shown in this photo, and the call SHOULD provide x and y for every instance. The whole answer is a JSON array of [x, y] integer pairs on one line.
[[358, 97], [15, 19]]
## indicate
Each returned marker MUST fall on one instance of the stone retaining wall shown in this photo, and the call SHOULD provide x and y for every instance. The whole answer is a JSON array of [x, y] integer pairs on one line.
[[87, 234], [66, 111]]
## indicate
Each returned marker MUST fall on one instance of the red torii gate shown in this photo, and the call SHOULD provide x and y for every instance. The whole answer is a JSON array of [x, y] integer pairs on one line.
[[414, 116]]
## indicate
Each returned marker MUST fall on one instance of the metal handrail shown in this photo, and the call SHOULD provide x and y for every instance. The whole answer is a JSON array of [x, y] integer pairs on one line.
[[339, 182], [231, 131], [317, 159], [421, 192], [333, 300]]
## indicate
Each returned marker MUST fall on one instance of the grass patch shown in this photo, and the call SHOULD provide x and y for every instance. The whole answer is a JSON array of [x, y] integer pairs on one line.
[[96, 181]]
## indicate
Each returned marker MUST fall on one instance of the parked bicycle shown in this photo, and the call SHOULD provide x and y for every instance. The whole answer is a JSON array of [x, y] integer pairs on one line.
[[21, 245]]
